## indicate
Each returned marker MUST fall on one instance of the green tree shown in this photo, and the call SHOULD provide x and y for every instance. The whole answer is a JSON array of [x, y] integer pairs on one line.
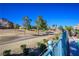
[[11, 25], [17, 26], [69, 29], [27, 22], [41, 24], [61, 28], [33, 27], [54, 27], [48, 27]]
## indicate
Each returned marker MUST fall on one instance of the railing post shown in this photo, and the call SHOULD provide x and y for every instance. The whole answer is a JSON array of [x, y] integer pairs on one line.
[[61, 48], [50, 47], [65, 43], [58, 50]]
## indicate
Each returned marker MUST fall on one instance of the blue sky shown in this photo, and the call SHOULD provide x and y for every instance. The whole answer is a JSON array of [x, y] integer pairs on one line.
[[60, 14]]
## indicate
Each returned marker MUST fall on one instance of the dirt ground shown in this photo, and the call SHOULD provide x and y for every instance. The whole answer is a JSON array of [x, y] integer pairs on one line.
[[7, 35]]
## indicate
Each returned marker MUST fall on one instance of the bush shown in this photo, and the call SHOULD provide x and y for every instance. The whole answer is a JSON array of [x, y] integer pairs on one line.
[[77, 31], [7, 53], [45, 41], [57, 38], [23, 46], [53, 38], [41, 46], [38, 44], [25, 50]]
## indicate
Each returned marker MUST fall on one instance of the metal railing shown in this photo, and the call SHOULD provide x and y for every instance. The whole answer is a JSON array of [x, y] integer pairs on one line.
[[59, 47], [45, 51]]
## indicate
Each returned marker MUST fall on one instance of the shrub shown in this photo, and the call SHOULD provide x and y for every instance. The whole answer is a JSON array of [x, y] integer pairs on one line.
[[53, 38], [38, 44], [23, 46], [41, 46], [57, 38], [7, 53], [77, 31], [45, 41], [25, 50]]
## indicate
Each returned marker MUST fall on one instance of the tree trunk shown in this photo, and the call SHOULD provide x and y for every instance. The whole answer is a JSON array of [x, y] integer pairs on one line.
[[24, 31], [38, 31]]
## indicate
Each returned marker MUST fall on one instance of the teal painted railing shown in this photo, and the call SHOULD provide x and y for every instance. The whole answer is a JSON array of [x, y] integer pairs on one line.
[[60, 48]]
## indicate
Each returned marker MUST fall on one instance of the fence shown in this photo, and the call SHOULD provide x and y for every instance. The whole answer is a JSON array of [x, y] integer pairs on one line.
[[60, 48]]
